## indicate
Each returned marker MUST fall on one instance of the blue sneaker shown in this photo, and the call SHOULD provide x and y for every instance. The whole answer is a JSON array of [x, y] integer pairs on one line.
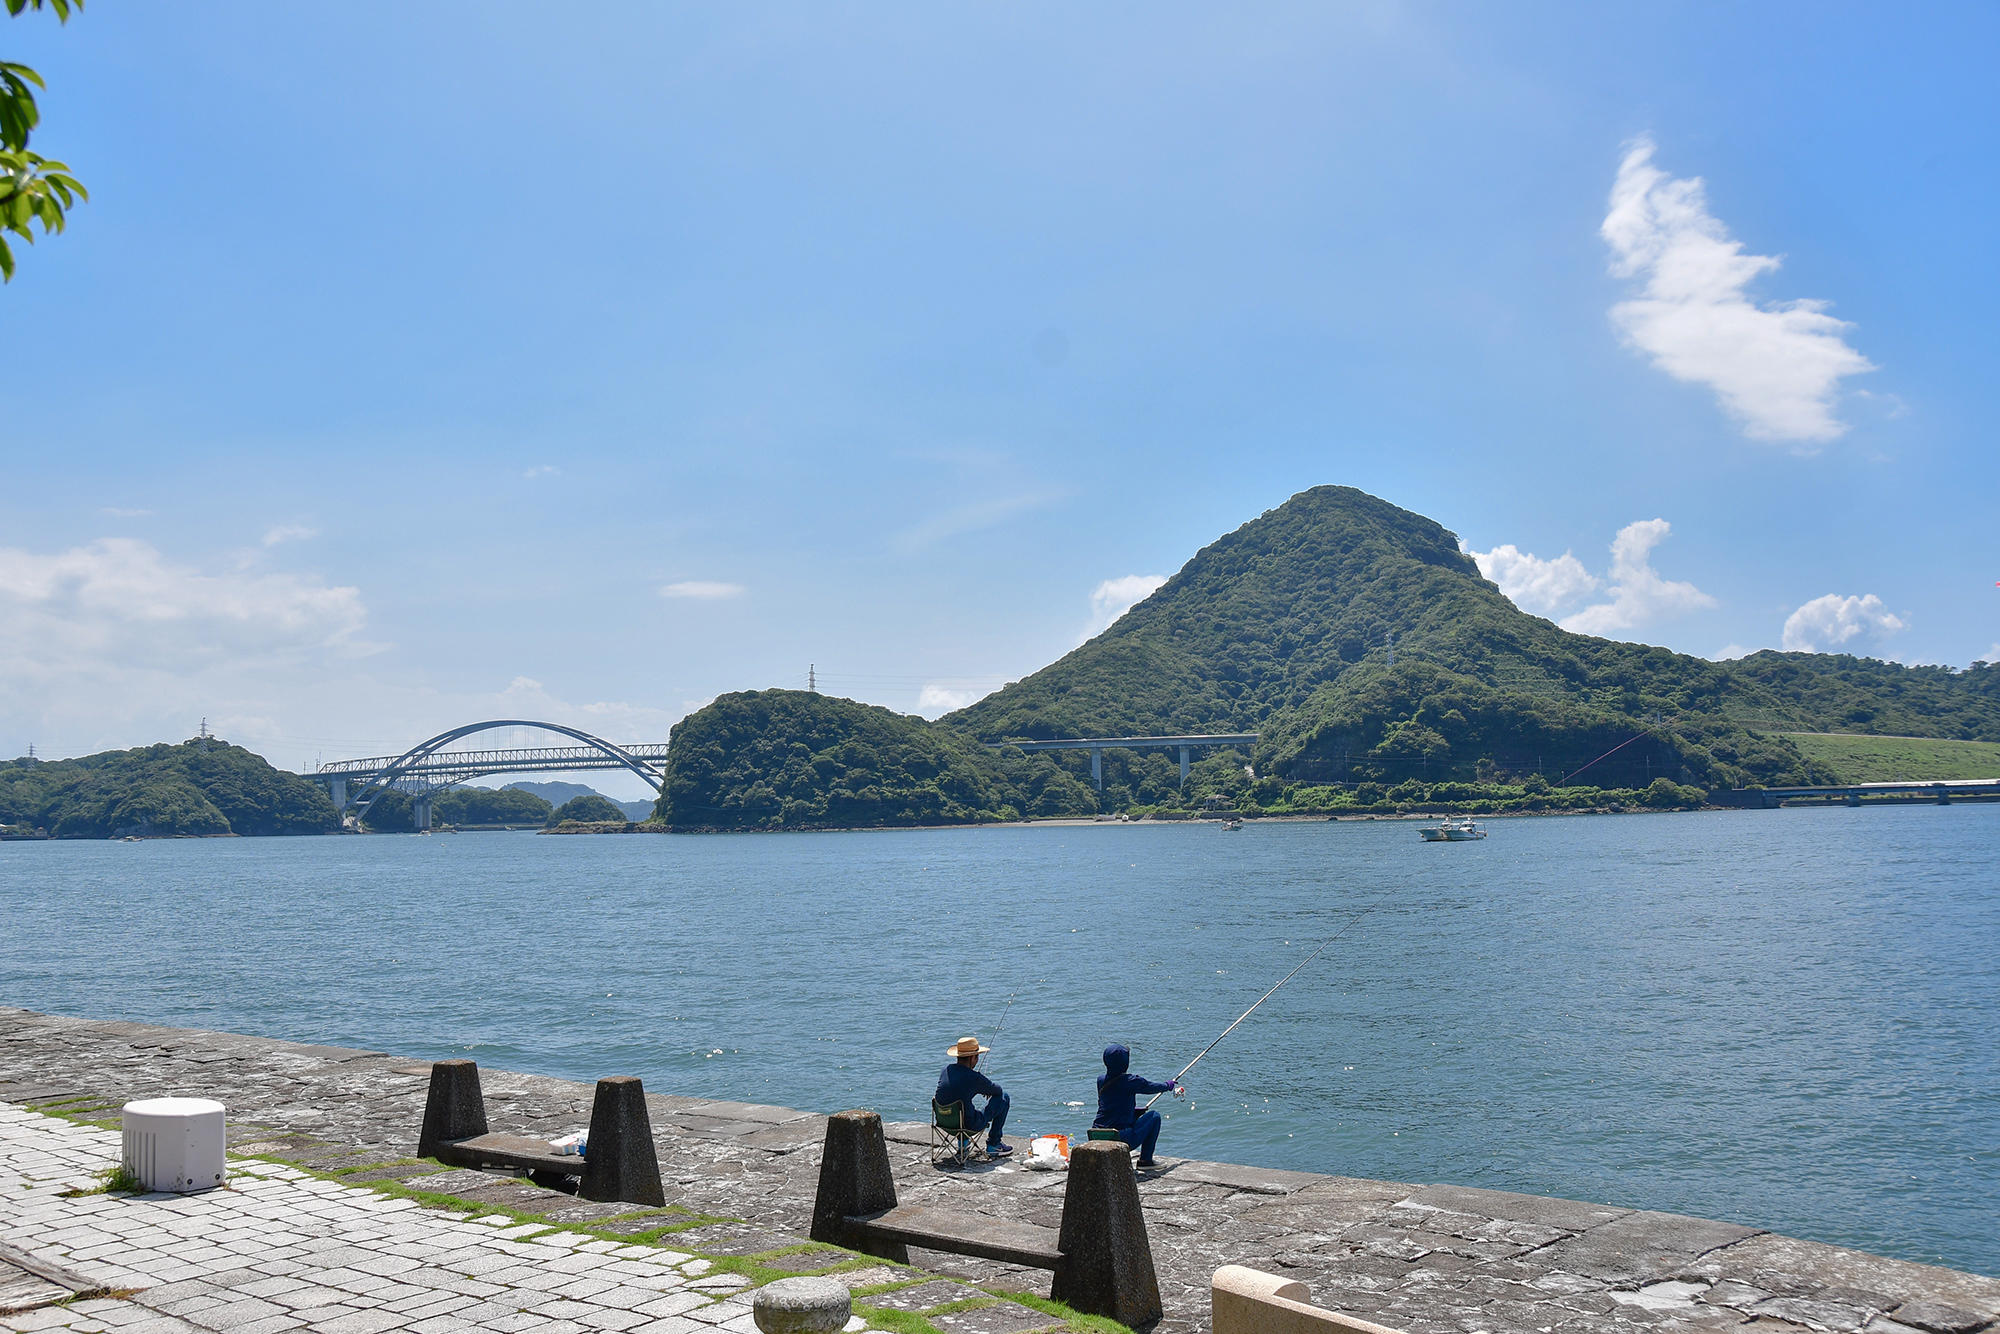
[[999, 1150]]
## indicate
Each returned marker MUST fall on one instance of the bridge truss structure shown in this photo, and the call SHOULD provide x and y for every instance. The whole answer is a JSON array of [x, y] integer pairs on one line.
[[429, 768]]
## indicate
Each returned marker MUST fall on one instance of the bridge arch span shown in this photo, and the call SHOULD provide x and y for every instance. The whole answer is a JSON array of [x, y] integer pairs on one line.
[[412, 760]]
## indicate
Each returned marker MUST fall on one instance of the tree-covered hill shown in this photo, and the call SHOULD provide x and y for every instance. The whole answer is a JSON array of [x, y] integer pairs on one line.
[[1286, 627], [194, 788], [590, 808], [789, 759]]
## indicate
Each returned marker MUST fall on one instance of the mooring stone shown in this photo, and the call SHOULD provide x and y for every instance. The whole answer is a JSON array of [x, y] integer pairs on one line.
[[802, 1306], [619, 1163], [1107, 1265], [854, 1179], [454, 1109]]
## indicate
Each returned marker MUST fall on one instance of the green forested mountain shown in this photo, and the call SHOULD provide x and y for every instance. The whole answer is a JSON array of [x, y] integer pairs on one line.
[[1286, 626], [196, 787], [788, 759]]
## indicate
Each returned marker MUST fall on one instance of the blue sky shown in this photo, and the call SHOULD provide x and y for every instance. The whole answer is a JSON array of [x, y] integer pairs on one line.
[[412, 364]]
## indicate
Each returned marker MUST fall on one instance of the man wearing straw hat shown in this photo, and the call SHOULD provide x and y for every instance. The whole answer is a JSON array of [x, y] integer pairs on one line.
[[961, 1082]]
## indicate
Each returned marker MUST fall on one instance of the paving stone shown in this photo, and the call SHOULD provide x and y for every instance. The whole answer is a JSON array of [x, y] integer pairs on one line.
[[1000, 1318], [1569, 1215], [922, 1296], [1642, 1247], [1939, 1318], [734, 1239]]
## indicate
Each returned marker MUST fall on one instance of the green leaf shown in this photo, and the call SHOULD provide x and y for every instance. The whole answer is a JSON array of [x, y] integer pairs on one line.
[[6, 262]]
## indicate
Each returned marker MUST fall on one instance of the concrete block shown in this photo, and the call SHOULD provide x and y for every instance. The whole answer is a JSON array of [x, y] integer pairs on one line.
[[620, 1163], [454, 1108], [855, 1178], [1107, 1264]]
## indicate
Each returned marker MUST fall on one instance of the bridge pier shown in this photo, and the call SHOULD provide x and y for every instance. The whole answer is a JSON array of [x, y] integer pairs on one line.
[[1184, 765], [1097, 768], [420, 813], [337, 789]]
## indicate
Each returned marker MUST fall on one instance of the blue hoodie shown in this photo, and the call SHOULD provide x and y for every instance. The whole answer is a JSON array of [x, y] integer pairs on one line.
[[1118, 1091]]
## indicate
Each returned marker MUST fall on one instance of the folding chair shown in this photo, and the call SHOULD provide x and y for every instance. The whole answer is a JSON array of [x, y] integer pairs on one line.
[[950, 1140]]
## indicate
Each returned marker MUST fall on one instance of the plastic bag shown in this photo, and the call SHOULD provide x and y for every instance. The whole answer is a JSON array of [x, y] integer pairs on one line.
[[1047, 1153]]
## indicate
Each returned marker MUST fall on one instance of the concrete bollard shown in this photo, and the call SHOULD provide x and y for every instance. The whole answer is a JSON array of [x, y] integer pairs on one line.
[[1107, 1265], [802, 1306], [454, 1109], [619, 1162], [854, 1179]]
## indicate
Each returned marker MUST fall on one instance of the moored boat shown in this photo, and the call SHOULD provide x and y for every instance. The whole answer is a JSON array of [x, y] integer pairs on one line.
[[1450, 830]]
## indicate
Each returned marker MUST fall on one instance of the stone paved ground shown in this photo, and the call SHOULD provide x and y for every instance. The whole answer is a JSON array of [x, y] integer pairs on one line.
[[1427, 1259]]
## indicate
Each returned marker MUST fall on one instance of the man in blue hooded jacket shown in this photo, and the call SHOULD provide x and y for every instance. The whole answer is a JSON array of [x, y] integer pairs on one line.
[[1118, 1093]]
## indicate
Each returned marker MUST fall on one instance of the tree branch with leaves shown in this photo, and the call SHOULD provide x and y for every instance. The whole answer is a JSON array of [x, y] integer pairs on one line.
[[32, 188]]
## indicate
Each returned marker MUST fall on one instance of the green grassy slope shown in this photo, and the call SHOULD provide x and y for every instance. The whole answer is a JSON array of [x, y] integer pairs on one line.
[[1896, 759]]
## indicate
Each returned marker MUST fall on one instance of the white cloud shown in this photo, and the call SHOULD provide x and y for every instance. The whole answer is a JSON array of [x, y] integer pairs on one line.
[[1639, 595], [1776, 367], [542, 470], [1991, 655], [1827, 622], [971, 518], [708, 590], [1114, 597], [1543, 587], [289, 532], [118, 513], [935, 700], [118, 603], [1730, 653]]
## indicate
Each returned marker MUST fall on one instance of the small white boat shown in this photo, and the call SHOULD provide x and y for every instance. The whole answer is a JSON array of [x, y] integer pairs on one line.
[[1231, 826], [1453, 830]]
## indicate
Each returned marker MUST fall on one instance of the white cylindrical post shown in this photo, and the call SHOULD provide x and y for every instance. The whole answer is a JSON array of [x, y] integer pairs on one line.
[[176, 1144]]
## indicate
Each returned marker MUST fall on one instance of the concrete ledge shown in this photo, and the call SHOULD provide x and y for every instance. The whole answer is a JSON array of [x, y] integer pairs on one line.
[[1248, 1301]]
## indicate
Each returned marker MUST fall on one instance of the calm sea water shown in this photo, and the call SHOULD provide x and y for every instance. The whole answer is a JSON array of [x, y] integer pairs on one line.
[[1781, 1018]]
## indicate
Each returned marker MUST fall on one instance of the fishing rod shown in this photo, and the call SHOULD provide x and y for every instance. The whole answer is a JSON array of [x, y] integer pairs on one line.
[[1272, 992], [1003, 1015]]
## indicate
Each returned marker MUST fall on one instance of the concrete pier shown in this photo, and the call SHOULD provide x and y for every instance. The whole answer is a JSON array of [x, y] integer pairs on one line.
[[740, 1181]]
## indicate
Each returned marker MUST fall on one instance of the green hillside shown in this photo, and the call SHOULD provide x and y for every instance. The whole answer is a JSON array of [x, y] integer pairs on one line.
[[195, 788], [1899, 759], [1285, 627], [789, 759]]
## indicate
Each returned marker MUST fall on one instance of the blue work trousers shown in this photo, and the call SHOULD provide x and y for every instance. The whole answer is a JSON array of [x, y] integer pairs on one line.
[[992, 1120], [1143, 1134]]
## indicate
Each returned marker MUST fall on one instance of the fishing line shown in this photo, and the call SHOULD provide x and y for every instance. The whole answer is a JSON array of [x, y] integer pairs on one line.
[[1003, 1015], [1273, 991]]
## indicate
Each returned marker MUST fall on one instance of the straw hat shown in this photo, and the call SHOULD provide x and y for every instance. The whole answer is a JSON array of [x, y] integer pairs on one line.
[[966, 1047]]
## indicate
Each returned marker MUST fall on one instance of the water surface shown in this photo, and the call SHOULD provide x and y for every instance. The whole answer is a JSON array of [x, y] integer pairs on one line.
[[1781, 1018]]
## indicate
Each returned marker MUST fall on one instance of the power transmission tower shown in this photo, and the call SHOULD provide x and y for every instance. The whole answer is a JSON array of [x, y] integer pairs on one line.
[[203, 736], [812, 677]]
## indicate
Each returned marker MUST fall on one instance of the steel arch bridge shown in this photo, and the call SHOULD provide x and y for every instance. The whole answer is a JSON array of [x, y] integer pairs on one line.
[[427, 768]]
